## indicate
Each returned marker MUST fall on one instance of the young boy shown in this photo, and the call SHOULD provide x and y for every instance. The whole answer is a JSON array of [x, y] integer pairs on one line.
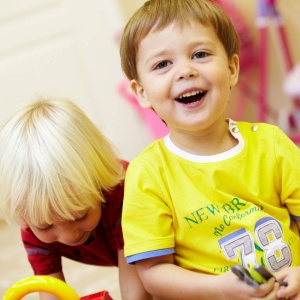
[[214, 192], [62, 182]]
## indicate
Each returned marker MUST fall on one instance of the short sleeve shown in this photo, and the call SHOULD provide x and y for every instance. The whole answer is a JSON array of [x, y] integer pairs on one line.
[[147, 217], [43, 261]]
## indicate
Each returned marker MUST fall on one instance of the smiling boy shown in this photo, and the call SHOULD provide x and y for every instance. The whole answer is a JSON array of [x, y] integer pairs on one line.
[[199, 200]]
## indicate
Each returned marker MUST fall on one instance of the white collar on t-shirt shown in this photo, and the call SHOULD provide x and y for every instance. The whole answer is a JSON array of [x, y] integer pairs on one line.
[[233, 129]]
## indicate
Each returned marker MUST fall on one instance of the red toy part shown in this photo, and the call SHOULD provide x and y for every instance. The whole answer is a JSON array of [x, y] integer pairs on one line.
[[104, 295]]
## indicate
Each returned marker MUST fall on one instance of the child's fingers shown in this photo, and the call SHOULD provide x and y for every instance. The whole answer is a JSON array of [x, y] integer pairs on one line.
[[266, 291], [287, 292], [272, 294]]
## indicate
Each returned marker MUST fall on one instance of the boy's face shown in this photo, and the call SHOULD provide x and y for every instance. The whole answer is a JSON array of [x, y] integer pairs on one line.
[[71, 233], [185, 76]]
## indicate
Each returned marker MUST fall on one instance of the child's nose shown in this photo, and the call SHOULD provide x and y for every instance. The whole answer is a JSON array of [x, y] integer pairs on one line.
[[68, 235], [186, 71]]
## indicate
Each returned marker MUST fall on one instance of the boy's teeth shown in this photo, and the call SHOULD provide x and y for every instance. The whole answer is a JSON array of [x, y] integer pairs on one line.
[[190, 94]]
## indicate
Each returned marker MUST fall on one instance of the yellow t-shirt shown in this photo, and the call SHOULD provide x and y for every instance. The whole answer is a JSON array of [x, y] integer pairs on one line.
[[214, 211]]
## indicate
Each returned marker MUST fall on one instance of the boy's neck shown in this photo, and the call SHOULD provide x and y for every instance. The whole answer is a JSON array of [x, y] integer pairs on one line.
[[214, 141]]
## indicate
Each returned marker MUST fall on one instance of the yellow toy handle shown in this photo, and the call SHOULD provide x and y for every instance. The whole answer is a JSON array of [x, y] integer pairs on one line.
[[40, 283]]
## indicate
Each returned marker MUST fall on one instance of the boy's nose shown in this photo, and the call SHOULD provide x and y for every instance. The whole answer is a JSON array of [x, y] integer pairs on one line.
[[186, 72], [68, 235], [69, 238]]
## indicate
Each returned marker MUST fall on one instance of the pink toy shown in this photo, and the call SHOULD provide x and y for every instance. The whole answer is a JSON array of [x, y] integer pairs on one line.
[[287, 120], [157, 127], [292, 82]]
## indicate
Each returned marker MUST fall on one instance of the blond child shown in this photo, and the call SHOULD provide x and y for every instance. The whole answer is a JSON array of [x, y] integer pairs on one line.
[[62, 182], [214, 192]]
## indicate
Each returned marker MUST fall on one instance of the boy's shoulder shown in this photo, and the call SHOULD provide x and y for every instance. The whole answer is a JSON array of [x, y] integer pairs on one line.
[[258, 127], [255, 125], [149, 156], [264, 133], [152, 149]]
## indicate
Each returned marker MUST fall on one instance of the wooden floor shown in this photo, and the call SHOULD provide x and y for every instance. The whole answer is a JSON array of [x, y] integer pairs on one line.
[[84, 279]]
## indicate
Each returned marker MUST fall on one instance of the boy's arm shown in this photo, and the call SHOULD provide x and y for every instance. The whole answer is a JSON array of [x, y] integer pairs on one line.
[[165, 281], [46, 296], [131, 285]]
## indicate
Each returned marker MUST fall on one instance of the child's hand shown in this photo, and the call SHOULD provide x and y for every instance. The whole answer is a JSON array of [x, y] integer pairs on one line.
[[254, 274], [290, 275], [231, 287]]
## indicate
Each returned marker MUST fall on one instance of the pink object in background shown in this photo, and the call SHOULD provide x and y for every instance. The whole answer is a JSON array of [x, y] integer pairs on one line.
[[157, 127], [291, 84], [288, 118], [247, 53]]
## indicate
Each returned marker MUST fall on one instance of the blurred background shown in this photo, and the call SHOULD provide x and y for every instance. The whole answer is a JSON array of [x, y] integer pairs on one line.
[[69, 48]]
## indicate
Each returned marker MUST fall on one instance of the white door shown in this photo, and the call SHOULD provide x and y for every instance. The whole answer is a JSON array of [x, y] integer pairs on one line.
[[68, 48], [65, 48]]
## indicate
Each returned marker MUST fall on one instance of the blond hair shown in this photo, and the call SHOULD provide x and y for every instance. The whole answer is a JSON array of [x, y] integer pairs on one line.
[[54, 163], [158, 14]]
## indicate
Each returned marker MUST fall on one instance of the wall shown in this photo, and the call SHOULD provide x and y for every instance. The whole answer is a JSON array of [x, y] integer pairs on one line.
[[67, 48]]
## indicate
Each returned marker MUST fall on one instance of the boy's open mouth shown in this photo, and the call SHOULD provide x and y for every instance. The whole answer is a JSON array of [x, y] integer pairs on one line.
[[191, 97]]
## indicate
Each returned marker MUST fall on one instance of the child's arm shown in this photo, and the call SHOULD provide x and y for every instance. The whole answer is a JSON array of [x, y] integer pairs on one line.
[[46, 296], [131, 285], [165, 280]]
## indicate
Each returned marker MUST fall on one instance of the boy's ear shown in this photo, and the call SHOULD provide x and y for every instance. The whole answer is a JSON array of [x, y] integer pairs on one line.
[[140, 94], [234, 69]]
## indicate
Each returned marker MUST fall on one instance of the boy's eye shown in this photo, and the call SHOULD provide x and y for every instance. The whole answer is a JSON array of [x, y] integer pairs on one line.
[[162, 64], [200, 54], [83, 217], [44, 228]]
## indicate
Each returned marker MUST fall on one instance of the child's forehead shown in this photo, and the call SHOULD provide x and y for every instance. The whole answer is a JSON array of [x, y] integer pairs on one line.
[[161, 35]]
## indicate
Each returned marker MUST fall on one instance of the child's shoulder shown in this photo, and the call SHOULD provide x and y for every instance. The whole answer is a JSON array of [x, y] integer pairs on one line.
[[258, 127], [149, 156], [255, 126], [152, 149], [263, 132]]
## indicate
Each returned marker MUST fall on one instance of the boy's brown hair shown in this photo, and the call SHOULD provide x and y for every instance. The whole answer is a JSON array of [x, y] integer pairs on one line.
[[158, 14]]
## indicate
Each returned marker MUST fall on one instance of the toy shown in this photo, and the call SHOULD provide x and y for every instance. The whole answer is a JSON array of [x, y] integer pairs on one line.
[[158, 128], [288, 120], [50, 285], [254, 275]]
